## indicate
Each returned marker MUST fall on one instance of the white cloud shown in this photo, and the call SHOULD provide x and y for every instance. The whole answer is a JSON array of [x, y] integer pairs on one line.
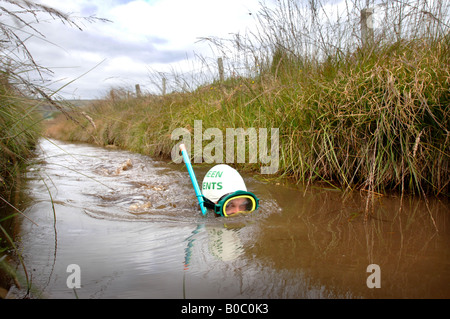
[[142, 35], [181, 21]]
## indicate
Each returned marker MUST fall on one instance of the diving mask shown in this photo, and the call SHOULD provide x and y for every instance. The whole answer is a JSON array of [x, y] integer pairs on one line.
[[231, 204]]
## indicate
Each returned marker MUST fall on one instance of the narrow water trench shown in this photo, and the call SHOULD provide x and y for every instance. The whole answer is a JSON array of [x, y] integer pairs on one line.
[[133, 229]]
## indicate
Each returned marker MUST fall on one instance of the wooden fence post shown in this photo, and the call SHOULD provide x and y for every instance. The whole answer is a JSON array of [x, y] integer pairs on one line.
[[220, 64], [367, 35], [138, 91], [163, 86]]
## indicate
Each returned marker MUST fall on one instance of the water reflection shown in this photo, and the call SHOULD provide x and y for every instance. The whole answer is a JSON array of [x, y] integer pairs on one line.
[[133, 226], [328, 239]]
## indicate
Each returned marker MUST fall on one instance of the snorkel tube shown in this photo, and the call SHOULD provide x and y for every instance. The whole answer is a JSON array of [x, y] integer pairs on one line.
[[199, 195]]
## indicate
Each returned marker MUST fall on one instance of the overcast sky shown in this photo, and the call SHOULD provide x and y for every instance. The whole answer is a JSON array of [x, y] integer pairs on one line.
[[143, 36]]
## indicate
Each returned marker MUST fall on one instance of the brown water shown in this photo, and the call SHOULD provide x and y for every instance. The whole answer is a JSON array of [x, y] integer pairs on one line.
[[133, 227]]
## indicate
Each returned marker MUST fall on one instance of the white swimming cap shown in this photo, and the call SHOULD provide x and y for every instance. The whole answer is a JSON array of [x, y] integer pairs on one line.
[[220, 180]]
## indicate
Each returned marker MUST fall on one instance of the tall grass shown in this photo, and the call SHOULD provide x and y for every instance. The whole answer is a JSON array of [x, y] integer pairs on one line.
[[19, 130], [372, 117], [20, 119]]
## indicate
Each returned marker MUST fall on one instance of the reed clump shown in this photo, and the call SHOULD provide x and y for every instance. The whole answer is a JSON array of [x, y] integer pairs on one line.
[[372, 117], [19, 130], [380, 122]]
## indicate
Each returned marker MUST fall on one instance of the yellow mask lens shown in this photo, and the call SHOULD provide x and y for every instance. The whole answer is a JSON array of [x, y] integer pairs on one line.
[[238, 205]]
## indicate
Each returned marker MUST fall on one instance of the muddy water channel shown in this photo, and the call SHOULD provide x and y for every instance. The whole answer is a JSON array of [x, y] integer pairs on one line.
[[121, 225]]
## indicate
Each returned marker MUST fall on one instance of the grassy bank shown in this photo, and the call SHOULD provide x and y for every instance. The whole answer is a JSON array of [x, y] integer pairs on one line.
[[376, 120], [22, 94], [19, 131]]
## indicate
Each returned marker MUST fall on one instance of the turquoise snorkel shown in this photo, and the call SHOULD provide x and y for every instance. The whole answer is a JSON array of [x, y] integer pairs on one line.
[[199, 195]]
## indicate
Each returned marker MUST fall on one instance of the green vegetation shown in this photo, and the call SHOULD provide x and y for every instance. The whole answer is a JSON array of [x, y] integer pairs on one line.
[[20, 116], [376, 121], [372, 117], [19, 130]]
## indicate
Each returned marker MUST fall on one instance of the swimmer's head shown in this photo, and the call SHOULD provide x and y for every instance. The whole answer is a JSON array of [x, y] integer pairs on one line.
[[224, 191], [220, 180]]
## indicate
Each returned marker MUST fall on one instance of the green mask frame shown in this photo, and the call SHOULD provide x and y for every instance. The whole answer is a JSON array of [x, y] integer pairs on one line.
[[232, 204]]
